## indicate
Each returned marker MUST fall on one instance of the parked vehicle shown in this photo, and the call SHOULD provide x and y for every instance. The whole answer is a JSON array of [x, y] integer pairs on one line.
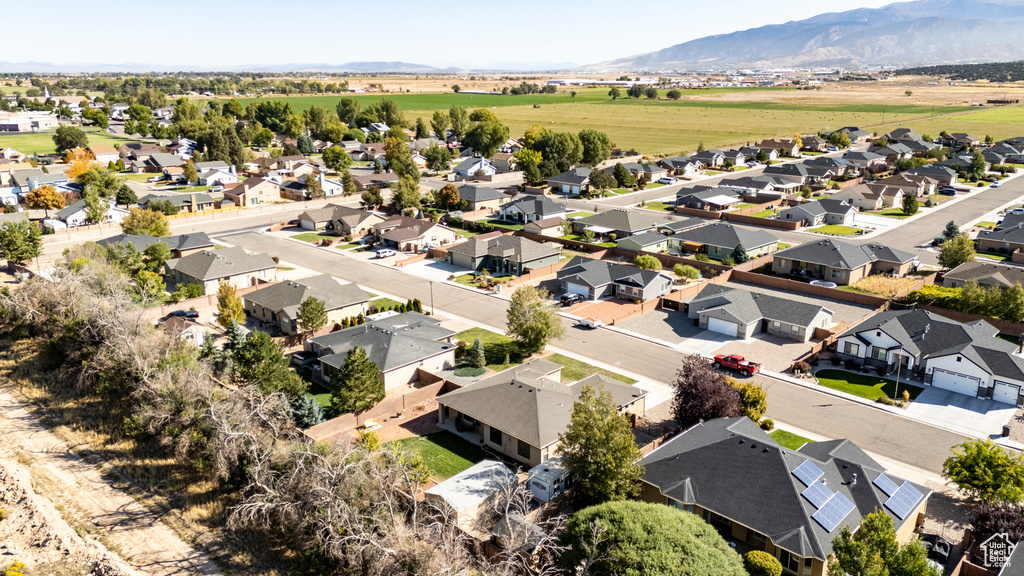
[[667, 180], [996, 184], [591, 323], [155, 179], [947, 191], [386, 253], [570, 298], [737, 363], [217, 188], [191, 314], [1015, 211]]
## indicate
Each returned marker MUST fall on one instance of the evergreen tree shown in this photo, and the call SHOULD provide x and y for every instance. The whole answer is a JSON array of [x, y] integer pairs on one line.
[[305, 144], [190, 173], [306, 412], [348, 183], [208, 350], [739, 255], [359, 384], [259, 361], [235, 338], [125, 195], [623, 176], [312, 315], [477, 357]]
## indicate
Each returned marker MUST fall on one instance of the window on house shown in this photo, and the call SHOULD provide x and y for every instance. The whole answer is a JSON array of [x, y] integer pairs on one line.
[[523, 449], [795, 329], [776, 325], [273, 316], [958, 359], [837, 274], [879, 353], [852, 349], [495, 436]]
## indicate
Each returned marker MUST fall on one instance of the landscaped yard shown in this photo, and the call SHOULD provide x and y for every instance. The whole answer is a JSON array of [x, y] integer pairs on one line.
[[987, 225], [744, 205], [999, 257], [497, 347], [621, 191], [655, 205], [472, 280], [309, 236], [505, 224], [568, 254], [881, 285], [788, 439], [580, 214], [574, 370], [320, 394], [888, 213], [444, 453], [382, 303], [836, 230], [870, 386], [763, 213], [142, 177]]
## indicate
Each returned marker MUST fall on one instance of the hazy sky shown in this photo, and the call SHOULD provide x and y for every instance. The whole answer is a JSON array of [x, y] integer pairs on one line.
[[441, 33]]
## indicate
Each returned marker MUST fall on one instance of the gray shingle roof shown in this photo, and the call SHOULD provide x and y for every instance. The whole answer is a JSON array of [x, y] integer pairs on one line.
[[541, 206], [574, 177], [473, 193], [164, 160], [750, 307], [1009, 230], [513, 248], [523, 402], [596, 273], [987, 273], [733, 468], [841, 255], [685, 224], [648, 238], [224, 263], [727, 236], [285, 296], [390, 343], [630, 221], [143, 241], [178, 200]]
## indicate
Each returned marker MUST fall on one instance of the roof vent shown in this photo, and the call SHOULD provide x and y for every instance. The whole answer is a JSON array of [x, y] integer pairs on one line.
[[853, 481]]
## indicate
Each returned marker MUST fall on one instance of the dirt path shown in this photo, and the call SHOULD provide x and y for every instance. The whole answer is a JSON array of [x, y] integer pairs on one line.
[[90, 502]]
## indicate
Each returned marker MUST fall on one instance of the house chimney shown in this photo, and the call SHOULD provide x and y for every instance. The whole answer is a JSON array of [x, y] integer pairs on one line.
[[192, 201]]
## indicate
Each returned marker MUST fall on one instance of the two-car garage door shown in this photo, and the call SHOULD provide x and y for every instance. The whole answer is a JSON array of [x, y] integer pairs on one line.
[[722, 327], [956, 382]]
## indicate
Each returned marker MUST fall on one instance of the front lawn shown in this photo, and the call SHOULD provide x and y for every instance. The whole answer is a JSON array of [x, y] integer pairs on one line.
[[444, 453], [743, 205], [505, 224], [999, 257], [621, 191], [141, 177], [573, 370], [836, 230], [308, 236], [501, 352], [870, 386], [580, 214], [888, 213], [655, 205], [473, 280], [580, 238], [384, 304], [789, 440], [986, 225]]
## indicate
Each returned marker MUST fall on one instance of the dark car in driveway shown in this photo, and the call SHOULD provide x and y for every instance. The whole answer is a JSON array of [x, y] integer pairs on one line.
[[191, 314], [569, 298]]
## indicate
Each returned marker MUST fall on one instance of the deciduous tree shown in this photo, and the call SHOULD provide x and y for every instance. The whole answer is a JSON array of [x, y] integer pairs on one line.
[[647, 262], [229, 305], [532, 319], [405, 194], [600, 450], [615, 93], [44, 198], [485, 137], [597, 146], [68, 137], [372, 199], [438, 158], [982, 469], [528, 161], [348, 109], [875, 551], [399, 158], [336, 159], [190, 173], [956, 251], [458, 119], [753, 399], [20, 241], [312, 315], [95, 207], [702, 393], [674, 94], [149, 222], [439, 123], [448, 196], [601, 180], [314, 190]]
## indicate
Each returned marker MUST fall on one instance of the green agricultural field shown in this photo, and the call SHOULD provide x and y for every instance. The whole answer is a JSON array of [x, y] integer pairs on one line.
[[42, 143]]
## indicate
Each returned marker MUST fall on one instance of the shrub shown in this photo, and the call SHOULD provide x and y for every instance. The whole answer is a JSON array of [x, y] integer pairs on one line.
[[685, 271], [760, 563], [886, 400], [767, 424], [906, 396], [814, 360], [834, 359], [612, 237], [369, 440], [882, 370], [484, 227], [850, 364], [728, 261], [275, 259], [800, 367], [702, 258], [460, 349]]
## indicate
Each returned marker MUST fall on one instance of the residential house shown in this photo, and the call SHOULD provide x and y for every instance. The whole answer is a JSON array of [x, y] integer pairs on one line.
[[817, 212], [855, 134], [1006, 238], [944, 175], [985, 274], [278, 304], [528, 207], [681, 166], [411, 235], [742, 314], [837, 166], [794, 502], [421, 144], [471, 496], [893, 151], [550, 227], [103, 153], [8, 153], [673, 226], [24, 181], [650, 172], [891, 196], [903, 135], [191, 203], [920, 147], [138, 150], [1008, 153], [378, 128], [289, 162], [719, 240], [180, 245], [864, 160], [916, 184], [573, 181], [253, 191], [960, 162], [208, 268], [594, 279], [959, 139], [750, 185], [812, 143], [186, 329], [503, 162], [75, 214], [649, 241], [964, 357], [706, 198], [474, 168], [709, 158], [399, 345], [158, 162], [383, 180], [502, 254], [801, 174], [342, 220], [482, 197], [521, 412], [840, 262], [870, 197], [785, 146], [619, 221], [218, 177], [752, 152]]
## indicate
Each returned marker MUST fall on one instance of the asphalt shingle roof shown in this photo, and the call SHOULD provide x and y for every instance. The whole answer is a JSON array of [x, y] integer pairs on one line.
[[630, 221], [531, 205], [987, 274], [473, 193], [513, 248], [727, 236], [750, 306], [285, 296], [841, 255], [224, 263], [574, 177], [143, 241], [390, 343], [596, 273]]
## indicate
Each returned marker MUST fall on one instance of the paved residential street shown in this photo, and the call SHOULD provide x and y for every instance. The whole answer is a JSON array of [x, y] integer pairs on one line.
[[880, 432]]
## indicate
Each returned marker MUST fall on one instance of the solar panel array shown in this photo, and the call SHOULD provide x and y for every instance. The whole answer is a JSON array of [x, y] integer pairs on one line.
[[833, 512], [808, 473], [904, 500], [885, 484], [817, 494]]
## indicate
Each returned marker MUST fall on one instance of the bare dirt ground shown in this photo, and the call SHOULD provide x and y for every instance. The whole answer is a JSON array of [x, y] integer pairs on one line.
[[69, 497]]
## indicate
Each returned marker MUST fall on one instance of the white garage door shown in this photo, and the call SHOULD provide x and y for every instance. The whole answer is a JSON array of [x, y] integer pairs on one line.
[[1005, 393], [306, 224], [721, 326], [577, 289], [956, 382]]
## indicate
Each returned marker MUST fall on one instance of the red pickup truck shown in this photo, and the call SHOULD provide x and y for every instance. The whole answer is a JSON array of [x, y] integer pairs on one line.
[[736, 363]]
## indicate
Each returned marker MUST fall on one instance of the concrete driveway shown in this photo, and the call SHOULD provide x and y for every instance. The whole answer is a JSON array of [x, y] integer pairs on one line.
[[964, 414], [676, 330], [436, 270]]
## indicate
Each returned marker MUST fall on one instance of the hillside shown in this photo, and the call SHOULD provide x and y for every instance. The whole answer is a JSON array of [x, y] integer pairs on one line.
[[914, 33]]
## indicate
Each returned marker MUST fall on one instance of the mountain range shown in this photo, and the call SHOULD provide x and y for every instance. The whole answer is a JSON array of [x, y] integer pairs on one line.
[[921, 32]]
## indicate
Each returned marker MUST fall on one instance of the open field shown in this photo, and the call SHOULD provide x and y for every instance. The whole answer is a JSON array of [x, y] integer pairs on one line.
[[42, 142]]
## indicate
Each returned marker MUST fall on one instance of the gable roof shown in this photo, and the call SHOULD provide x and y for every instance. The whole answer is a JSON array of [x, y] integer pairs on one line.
[[750, 306], [474, 193], [389, 343], [525, 402], [987, 273], [595, 273], [513, 248], [471, 163], [574, 177], [1012, 231], [469, 488], [535, 205], [732, 467], [285, 296], [724, 235], [646, 238], [164, 160], [179, 200], [223, 263], [836, 254], [143, 241], [623, 219]]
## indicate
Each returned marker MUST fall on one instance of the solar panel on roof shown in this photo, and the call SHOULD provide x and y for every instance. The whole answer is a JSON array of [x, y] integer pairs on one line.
[[885, 484], [904, 500], [833, 512], [808, 473], [817, 494]]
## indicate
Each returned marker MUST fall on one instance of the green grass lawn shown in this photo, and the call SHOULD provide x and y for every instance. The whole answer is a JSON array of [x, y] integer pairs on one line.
[[285, 268], [998, 257], [320, 394], [888, 213], [190, 189], [219, 246], [763, 213], [988, 225], [309, 236], [141, 178], [496, 348], [580, 214], [444, 453], [381, 303], [835, 229], [654, 205], [621, 191], [653, 185], [569, 254], [870, 386], [574, 370], [788, 439], [504, 224], [744, 205], [350, 246], [470, 280], [42, 142], [783, 245]]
